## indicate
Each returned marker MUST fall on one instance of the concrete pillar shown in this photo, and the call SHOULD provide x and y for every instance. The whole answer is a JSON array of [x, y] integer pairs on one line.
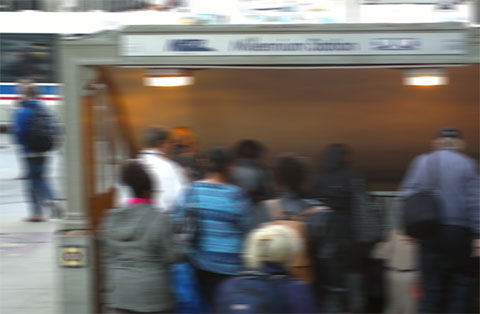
[[476, 12], [75, 256], [74, 242]]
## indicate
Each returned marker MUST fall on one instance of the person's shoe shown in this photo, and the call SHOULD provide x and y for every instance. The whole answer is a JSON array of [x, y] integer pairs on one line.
[[34, 219], [56, 211]]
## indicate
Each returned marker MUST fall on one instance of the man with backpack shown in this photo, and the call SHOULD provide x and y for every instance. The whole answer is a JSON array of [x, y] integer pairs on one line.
[[37, 131], [449, 247], [21, 86], [308, 217]]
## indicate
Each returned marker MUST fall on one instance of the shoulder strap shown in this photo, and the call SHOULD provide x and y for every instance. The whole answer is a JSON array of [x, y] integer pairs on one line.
[[277, 213], [431, 178], [275, 209], [191, 219], [309, 211], [191, 196]]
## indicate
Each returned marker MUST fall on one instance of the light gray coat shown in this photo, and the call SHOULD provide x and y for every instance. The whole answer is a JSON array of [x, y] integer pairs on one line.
[[138, 248]]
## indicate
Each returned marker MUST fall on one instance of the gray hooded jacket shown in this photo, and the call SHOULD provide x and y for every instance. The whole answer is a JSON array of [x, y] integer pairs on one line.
[[138, 248]]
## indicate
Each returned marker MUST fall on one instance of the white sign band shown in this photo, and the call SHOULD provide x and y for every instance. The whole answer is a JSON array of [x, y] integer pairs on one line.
[[300, 44]]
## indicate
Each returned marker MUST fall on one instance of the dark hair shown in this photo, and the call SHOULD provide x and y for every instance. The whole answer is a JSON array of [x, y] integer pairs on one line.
[[291, 171], [248, 149], [219, 159], [335, 156], [134, 175], [155, 136], [451, 132], [30, 91]]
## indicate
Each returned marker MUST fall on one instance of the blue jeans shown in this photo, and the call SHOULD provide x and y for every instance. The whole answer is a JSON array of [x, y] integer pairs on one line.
[[447, 271], [37, 185]]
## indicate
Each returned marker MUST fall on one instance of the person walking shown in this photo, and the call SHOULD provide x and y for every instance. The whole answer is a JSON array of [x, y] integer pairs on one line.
[[22, 85], [267, 286], [249, 173], [221, 215], [184, 151], [168, 177], [339, 186], [31, 128], [446, 264], [138, 246], [293, 179]]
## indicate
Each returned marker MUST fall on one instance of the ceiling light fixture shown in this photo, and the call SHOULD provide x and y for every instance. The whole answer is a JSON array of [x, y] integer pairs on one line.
[[425, 77], [168, 78]]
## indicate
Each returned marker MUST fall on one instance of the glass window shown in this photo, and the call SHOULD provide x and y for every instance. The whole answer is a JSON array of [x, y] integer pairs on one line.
[[28, 56]]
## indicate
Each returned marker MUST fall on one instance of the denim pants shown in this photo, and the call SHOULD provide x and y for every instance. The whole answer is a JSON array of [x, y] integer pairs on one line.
[[345, 277], [447, 271], [37, 184]]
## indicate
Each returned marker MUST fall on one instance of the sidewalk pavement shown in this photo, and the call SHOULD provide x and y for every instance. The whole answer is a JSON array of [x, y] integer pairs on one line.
[[27, 263]]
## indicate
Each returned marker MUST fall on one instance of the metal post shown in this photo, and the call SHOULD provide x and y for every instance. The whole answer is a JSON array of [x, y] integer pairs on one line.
[[476, 12], [74, 242]]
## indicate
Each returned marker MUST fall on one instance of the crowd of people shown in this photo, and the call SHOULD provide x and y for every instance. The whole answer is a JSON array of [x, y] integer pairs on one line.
[[221, 233]]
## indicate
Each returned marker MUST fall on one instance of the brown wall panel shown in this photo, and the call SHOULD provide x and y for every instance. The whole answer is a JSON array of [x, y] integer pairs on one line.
[[384, 121]]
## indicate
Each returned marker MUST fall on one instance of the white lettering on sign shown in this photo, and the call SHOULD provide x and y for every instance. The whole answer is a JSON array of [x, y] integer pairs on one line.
[[300, 44]]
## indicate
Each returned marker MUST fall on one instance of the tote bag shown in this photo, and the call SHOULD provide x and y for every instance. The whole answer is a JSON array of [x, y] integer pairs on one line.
[[421, 210]]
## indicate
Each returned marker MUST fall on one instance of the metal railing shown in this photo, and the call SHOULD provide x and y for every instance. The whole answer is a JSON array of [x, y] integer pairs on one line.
[[388, 205]]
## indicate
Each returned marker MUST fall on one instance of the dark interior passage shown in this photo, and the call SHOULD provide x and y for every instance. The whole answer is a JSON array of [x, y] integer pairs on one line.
[[385, 122]]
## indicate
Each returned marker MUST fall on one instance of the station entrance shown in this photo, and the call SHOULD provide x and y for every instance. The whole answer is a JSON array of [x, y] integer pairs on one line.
[[266, 83]]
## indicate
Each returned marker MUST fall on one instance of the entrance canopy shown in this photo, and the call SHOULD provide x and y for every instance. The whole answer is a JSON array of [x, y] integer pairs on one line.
[[295, 88]]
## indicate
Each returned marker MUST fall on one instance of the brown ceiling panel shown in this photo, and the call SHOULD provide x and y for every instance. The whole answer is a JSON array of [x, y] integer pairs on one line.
[[385, 122]]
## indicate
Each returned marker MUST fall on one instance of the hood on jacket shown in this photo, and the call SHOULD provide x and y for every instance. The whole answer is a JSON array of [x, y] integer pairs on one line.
[[129, 223]]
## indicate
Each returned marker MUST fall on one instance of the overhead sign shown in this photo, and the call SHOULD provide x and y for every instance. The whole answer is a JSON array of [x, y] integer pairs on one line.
[[300, 44]]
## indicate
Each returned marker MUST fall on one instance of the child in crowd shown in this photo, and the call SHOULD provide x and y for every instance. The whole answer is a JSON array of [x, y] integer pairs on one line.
[[268, 287], [138, 247]]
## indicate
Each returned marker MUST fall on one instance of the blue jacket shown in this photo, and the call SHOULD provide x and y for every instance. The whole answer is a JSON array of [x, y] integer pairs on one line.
[[223, 214], [454, 178], [21, 119], [290, 296]]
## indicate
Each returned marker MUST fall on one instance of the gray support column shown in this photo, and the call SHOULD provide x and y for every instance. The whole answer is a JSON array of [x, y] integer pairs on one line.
[[75, 245], [476, 11], [74, 164]]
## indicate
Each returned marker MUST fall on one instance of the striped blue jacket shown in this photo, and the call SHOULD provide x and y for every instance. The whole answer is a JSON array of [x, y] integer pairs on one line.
[[223, 215]]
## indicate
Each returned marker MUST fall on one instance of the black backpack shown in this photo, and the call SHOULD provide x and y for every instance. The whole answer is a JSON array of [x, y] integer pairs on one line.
[[421, 210], [43, 130]]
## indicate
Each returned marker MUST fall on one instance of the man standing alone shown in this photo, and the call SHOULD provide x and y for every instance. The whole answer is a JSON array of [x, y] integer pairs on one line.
[[36, 159], [446, 264]]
